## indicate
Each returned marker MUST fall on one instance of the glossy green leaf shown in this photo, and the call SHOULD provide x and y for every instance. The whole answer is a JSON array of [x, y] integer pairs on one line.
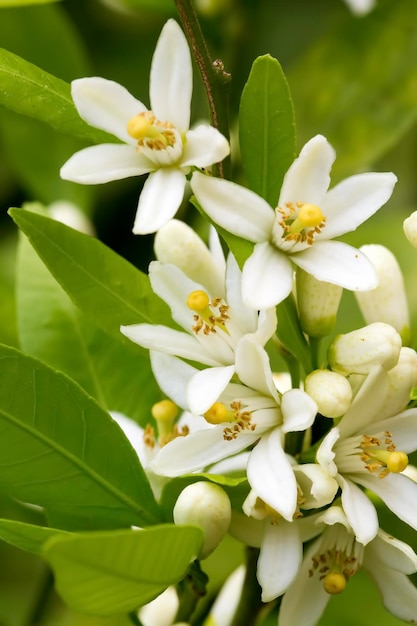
[[61, 451], [28, 537], [52, 329], [27, 89], [102, 284], [357, 85], [266, 128], [115, 572], [19, 3]]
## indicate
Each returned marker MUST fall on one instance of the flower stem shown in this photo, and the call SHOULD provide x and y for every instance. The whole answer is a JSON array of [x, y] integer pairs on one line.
[[190, 590], [250, 603], [216, 81]]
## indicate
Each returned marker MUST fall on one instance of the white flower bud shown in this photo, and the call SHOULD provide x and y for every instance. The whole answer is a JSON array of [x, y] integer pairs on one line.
[[331, 392], [387, 302], [178, 244], [357, 351], [318, 303], [402, 378], [410, 228], [69, 214], [206, 505]]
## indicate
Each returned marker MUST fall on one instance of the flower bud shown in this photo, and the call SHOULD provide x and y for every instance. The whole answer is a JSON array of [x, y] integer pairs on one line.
[[206, 505], [387, 302], [402, 378], [331, 392], [410, 228], [178, 244], [318, 303], [356, 352]]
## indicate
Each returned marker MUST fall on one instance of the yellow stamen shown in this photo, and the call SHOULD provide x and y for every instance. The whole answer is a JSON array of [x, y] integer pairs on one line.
[[334, 583], [165, 411], [207, 318], [378, 459], [139, 127], [308, 216], [150, 132]]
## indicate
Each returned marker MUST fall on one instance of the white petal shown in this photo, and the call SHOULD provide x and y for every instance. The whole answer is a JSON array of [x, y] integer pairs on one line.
[[281, 544], [308, 179], [133, 432], [271, 476], [360, 511], [399, 595], [206, 386], [318, 487], [354, 200], [338, 263], [298, 410], [168, 340], [305, 600], [393, 553], [325, 455], [172, 376], [171, 81], [198, 450], [105, 104], [238, 210], [100, 164], [267, 277], [253, 367], [398, 492], [403, 429], [204, 145], [247, 318], [160, 199], [267, 324]]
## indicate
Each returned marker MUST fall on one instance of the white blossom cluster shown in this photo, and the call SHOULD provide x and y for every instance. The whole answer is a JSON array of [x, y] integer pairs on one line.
[[214, 362]]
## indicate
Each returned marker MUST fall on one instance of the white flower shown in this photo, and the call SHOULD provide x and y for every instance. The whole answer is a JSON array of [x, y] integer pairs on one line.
[[387, 302], [370, 449], [307, 217], [214, 324], [336, 556], [360, 7], [156, 141], [242, 415]]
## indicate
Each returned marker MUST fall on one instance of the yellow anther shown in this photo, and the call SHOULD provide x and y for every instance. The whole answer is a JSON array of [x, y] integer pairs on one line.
[[397, 462], [164, 411], [334, 583], [218, 413], [198, 301]]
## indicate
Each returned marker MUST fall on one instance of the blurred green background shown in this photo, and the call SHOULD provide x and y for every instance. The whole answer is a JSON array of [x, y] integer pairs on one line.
[[353, 79]]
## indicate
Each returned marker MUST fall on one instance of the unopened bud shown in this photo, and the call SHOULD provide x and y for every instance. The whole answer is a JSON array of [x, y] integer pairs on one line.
[[318, 303], [410, 228], [358, 351], [178, 244], [387, 302], [331, 392], [206, 505]]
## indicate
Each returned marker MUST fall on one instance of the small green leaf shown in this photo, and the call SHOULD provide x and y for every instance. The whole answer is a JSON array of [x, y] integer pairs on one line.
[[61, 451], [26, 89], [19, 3], [106, 287], [266, 128], [108, 573], [27, 537]]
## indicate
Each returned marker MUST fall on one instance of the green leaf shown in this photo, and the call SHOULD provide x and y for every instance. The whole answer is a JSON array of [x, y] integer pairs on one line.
[[106, 287], [19, 3], [358, 86], [116, 572], [28, 537], [52, 329], [27, 89], [60, 450], [290, 334], [266, 128]]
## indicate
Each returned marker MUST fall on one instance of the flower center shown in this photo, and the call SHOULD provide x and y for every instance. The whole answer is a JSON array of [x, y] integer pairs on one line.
[[300, 221], [209, 314], [382, 457], [218, 413], [164, 413], [150, 132], [335, 565]]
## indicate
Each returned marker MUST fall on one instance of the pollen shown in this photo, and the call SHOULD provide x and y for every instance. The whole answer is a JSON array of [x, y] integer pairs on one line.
[[300, 221], [382, 457], [210, 314], [241, 419], [150, 132]]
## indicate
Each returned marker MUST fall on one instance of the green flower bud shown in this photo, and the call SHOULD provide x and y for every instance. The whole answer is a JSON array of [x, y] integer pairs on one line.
[[206, 505], [318, 303]]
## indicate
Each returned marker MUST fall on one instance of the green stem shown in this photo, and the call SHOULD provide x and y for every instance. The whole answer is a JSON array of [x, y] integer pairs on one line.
[[134, 619], [250, 603], [216, 81], [315, 345], [190, 590]]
